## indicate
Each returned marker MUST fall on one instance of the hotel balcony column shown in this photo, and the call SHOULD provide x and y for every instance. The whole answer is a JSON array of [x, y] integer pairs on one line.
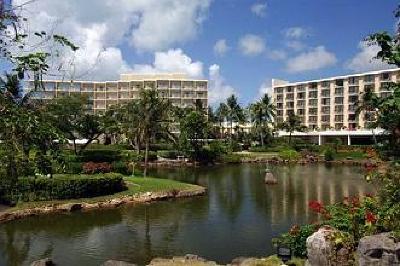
[[319, 139], [348, 140]]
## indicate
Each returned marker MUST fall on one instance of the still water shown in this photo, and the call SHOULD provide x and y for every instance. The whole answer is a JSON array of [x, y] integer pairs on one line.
[[239, 217]]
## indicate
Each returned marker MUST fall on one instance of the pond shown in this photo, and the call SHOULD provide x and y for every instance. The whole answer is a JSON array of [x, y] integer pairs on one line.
[[239, 217]]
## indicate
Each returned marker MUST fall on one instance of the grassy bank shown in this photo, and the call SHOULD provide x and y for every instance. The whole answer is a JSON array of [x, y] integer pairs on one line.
[[136, 186]]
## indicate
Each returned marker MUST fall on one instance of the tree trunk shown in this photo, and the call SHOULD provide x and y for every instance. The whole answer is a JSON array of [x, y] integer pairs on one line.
[[290, 137], [262, 139], [75, 150], [146, 155]]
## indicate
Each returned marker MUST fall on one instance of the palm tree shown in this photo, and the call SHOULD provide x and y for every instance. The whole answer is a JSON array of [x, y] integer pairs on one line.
[[144, 118], [292, 124], [222, 114], [262, 113], [235, 111]]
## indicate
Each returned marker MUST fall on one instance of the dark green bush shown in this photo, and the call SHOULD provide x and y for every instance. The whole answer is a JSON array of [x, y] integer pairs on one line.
[[73, 167], [99, 156], [161, 146], [329, 155], [289, 155], [170, 154], [63, 187], [121, 167], [115, 147], [231, 158]]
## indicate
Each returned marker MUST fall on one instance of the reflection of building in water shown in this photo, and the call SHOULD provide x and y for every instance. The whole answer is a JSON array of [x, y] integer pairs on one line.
[[298, 185]]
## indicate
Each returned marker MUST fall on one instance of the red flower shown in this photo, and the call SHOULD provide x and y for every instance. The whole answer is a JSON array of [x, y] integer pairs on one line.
[[370, 217], [316, 206], [294, 230], [355, 201]]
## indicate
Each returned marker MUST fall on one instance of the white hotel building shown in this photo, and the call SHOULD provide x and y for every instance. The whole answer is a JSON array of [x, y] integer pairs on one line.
[[328, 106]]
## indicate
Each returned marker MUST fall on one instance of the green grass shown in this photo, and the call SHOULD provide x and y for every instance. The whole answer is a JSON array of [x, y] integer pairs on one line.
[[353, 154], [136, 185], [257, 154]]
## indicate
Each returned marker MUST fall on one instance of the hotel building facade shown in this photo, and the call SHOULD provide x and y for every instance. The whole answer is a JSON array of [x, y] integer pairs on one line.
[[178, 88], [330, 103]]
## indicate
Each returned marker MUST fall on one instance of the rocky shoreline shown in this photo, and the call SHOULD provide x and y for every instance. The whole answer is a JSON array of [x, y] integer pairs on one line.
[[147, 197], [188, 259]]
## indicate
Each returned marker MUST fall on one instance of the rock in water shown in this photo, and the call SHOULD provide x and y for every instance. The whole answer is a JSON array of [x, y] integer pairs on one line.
[[269, 178], [117, 263], [43, 262]]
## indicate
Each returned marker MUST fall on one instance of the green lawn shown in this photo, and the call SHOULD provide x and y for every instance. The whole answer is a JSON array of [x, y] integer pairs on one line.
[[257, 154], [136, 185]]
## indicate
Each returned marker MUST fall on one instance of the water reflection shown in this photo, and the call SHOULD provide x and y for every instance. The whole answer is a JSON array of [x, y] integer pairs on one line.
[[238, 217]]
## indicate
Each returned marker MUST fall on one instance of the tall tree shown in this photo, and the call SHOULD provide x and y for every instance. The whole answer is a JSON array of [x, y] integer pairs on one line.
[[292, 124], [222, 114], [235, 112], [262, 113]]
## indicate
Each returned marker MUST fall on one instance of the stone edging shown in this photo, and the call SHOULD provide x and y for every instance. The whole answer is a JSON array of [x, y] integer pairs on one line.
[[113, 203]]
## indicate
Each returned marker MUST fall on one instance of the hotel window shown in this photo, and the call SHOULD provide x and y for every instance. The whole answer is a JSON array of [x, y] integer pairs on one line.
[[339, 91], [313, 85], [353, 80], [279, 112], [385, 76], [353, 99], [279, 90], [325, 84], [290, 96], [339, 82], [339, 126], [289, 89], [313, 111], [290, 105], [369, 78], [353, 89], [352, 117], [313, 94], [370, 87], [312, 119], [279, 105], [338, 118], [301, 95], [313, 102], [326, 101], [339, 100], [300, 103], [326, 93], [325, 118], [339, 108], [279, 97], [326, 110], [300, 111]]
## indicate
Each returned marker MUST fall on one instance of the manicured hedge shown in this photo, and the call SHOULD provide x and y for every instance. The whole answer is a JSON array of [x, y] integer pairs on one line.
[[64, 187], [99, 156]]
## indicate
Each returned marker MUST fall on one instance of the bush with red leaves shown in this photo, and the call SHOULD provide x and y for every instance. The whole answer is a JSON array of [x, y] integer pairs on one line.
[[96, 168]]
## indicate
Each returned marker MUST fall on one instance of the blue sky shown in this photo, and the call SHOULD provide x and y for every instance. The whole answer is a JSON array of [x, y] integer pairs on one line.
[[259, 40]]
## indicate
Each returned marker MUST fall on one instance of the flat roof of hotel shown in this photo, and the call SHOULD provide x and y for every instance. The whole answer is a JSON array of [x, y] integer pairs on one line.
[[284, 83]]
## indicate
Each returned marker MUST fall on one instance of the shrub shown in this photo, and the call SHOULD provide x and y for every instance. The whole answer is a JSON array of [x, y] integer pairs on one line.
[[289, 155], [132, 156], [170, 154], [329, 154], [63, 187], [99, 156], [96, 168], [73, 167], [231, 158], [121, 167], [116, 147]]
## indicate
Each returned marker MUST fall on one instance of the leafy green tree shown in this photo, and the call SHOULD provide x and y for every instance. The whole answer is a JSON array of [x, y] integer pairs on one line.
[[222, 114], [262, 114], [144, 119], [70, 115], [194, 128], [292, 124], [235, 112]]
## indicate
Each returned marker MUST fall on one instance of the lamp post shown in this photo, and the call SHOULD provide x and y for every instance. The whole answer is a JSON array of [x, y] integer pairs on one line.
[[284, 253]]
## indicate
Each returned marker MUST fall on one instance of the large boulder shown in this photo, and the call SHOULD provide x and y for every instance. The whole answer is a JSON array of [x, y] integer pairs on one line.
[[321, 251], [378, 250], [43, 262], [117, 263]]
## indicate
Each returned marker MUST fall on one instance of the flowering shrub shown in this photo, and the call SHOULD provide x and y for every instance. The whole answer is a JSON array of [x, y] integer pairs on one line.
[[96, 168]]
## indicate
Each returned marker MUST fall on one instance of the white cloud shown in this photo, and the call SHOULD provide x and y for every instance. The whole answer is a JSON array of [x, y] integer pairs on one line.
[[218, 90], [276, 54], [221, 47], [296, 33], [172, 61], [314, 59], [295, 45], [251, 45], [265, 88], [259, 9], [365, 59], [99, 27]]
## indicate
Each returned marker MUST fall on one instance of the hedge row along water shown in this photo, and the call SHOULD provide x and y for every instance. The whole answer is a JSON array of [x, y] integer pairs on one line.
[[64, 187]]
